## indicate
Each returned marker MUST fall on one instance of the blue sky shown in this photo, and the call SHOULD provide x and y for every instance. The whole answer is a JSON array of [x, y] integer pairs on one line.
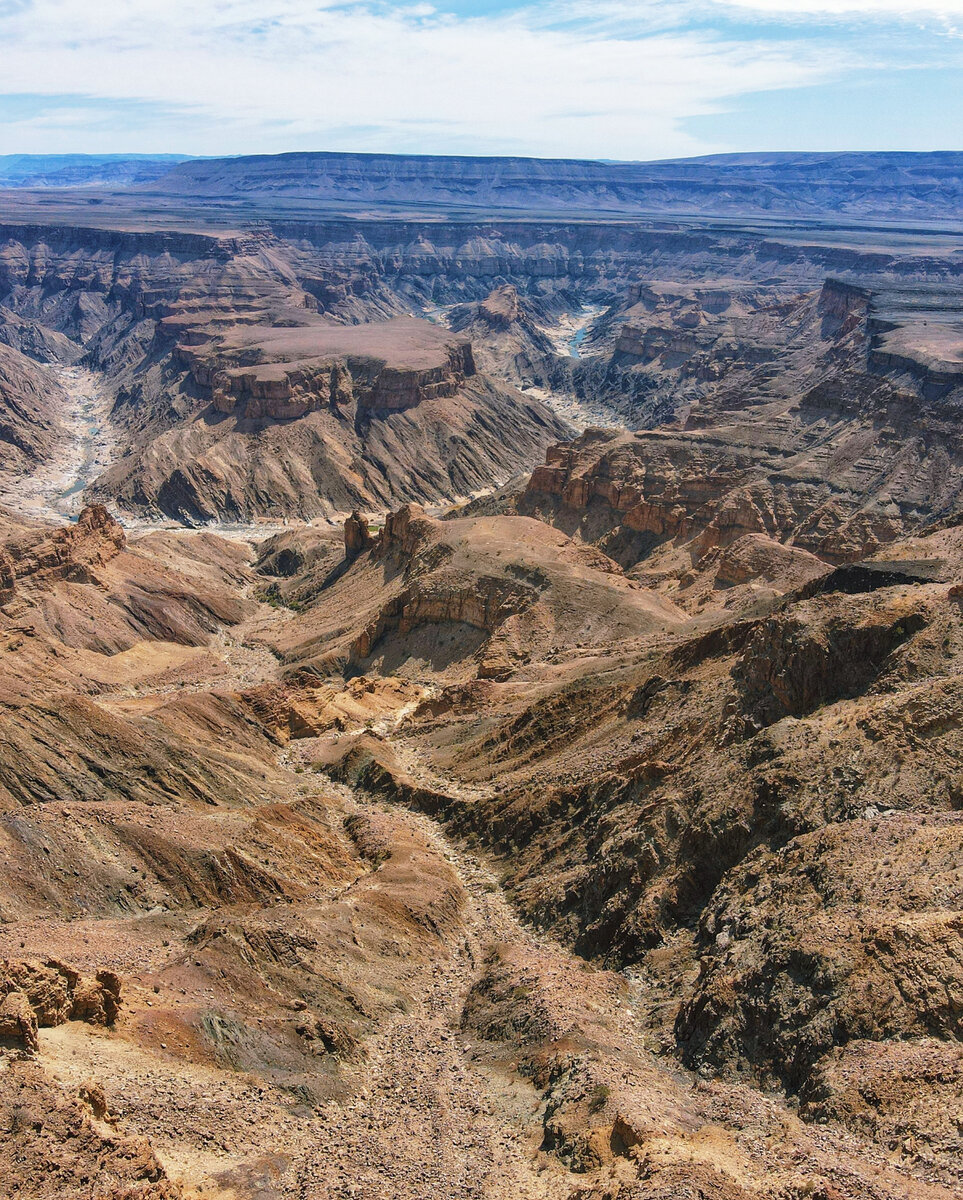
[[617, 79]]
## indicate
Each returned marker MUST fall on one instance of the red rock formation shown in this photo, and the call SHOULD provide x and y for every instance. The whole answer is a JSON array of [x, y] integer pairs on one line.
[[405, 531], [18, 1022], [46, 994]]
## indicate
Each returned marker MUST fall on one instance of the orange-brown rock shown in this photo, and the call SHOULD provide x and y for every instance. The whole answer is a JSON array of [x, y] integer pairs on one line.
[[18, 1022], [357, 536], [58, 993], [422, 870], [74, 553], [52, 1146]]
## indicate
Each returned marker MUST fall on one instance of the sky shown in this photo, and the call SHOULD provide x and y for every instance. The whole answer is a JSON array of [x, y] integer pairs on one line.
[[613, 79]]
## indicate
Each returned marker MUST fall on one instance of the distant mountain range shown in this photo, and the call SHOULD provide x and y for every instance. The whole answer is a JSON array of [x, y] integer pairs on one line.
[[868, 184], [83, 170], [902, 186]]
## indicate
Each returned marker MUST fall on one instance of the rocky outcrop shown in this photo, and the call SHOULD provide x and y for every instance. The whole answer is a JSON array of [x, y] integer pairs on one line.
[[279, 393], [45, 994], [404, 532], [75, 553], [819, 954], [58, 1141], [500, 308], [304, 363], [357, 536], [840, 494], [658, 485], [794, 664], [18, 1022], [486, 604]]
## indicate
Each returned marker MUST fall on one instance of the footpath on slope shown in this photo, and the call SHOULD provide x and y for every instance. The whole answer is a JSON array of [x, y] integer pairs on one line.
[[428, 1120]]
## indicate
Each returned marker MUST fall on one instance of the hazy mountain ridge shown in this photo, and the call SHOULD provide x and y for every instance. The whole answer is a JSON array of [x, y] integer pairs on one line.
[[83, 170], [904, 185]]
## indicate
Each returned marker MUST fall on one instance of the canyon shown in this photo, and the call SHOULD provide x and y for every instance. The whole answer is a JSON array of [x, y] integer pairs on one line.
[[482, 651]]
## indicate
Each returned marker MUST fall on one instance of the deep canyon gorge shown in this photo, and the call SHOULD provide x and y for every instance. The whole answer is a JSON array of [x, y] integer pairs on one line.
[[482, 679]]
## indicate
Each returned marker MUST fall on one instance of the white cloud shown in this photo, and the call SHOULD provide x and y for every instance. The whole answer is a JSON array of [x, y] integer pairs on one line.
[[594, 78], [265, 74], [845, 8]]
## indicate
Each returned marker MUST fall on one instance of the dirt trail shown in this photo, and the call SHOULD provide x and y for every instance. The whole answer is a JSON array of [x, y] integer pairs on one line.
[[415, 766], [425, 1119], [425, 1112], [232, 661], [429, 1121]]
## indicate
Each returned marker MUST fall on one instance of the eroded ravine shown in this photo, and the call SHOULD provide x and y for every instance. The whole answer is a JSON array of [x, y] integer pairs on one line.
[[54, 490], [428, 1119], [421, 1117], [502, 1064]]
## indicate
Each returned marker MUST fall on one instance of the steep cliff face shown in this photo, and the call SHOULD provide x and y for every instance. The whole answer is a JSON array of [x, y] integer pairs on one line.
[[931, 356], [635, 493], [333, 459], [31, 407], [176, 321], [310, 363], [186, 327], [281, 393]]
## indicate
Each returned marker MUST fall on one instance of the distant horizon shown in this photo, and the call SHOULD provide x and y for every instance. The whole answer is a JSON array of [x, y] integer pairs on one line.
[[176, 157]]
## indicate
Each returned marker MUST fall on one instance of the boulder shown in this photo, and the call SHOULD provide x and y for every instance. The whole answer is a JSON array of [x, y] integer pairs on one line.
[[18, 1022]]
